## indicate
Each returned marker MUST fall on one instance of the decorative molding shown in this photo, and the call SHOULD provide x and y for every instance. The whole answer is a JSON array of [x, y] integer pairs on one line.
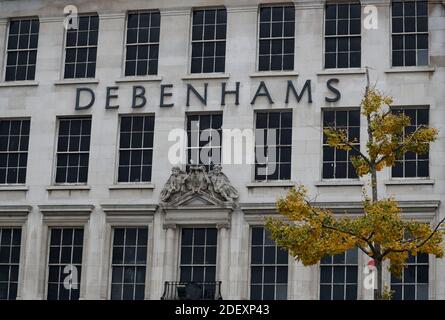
[[167, 226], [175, 12], [13, 84], [426, 69], [340, 183], [240, 9], [273, 74], [130, 209], [52, 19], [258, 208], [273, 184], [111, 16], [339, 72], [60, 210], [75, 82], [147, 186], [206, 76], [68, 188], [408, 182], [3, 22], [139, 79], [12, 210]]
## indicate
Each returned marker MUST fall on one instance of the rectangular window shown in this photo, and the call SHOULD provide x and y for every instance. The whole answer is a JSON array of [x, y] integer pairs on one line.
[[337, 163], [21, 53], [198, 259], [14, 140], [73, 150], [413, 285], [65, 260], [342, 35], [273, 145], [409, 33], [204, 139], [81, 48], [413, 165], [129, 263], [339, 276], [142, 43], [268, 267], [136, 149], [10, 239], [209, 40], [276, 38]]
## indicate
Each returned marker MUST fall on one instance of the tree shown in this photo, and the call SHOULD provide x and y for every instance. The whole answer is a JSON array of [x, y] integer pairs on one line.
[[311, 232]]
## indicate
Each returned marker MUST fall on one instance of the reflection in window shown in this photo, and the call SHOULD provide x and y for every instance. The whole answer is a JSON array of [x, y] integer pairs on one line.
[[10, 239], [21, 52], [413, 284], [273, 145], [73, 149], [409, 33], [198, 258], [342, 35], [276, 38], [337, 163], [413, 165], [14, 140], [339, 277], [136, 148], [65, 260], [142, 43], [129, 263], [268, 267], [81, 48], [209, 40]]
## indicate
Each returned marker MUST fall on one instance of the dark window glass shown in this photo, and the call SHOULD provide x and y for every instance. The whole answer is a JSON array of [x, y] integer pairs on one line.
[[276, 38], [413, 165], [268, 267], [204, 140], [208, 40], [198, 259], [142, 43], [81, 48], [136, 149], [339, 276], [342, 36], [129, 263], [65, 263], [409, 33], [337, 163], [22, 49], [413, 283], [273, 146], [10, 240], [73, 148], [14, 140]]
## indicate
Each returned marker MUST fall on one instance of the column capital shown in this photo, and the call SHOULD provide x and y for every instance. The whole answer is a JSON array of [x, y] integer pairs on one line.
[[223, 226], [169, 226]]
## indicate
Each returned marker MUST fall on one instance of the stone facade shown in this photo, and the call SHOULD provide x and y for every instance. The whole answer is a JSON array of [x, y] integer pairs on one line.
[[102, 203]]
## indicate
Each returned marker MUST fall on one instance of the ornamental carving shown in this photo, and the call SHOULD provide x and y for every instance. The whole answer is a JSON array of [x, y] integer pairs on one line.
[[198, 181]]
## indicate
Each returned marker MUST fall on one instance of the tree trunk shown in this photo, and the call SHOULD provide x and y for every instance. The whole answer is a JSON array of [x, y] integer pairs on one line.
[[379, 290]]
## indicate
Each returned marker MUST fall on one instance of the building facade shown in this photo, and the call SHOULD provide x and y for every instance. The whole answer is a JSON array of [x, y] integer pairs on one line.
[[92, 93]]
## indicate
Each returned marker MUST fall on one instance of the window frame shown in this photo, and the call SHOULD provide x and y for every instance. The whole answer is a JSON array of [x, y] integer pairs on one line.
[[335, 109], [54, 170], [291, 145], [18, 151], [289, 284], [117, 153], [190, 41], [336, 36], [257, 44], [125, 45], [5, 51], [404, 178], [415, 33], [64, 49]]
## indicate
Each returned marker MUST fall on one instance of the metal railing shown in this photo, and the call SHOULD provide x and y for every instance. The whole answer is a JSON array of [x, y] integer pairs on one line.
[[175, 290]]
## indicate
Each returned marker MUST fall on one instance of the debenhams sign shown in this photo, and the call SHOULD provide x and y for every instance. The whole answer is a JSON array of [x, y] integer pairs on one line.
[[86, 97]]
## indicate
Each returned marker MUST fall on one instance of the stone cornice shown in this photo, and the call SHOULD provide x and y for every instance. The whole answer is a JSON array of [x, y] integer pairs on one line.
[[15, 210], [66, 210], [129, 209]]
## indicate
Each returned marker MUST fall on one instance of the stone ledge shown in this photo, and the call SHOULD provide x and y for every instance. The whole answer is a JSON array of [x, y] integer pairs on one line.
[[129, 209], [12, 188], [15, 210], [13, 84], [410, 69], [340, 71], [339, 183], [206, 76], [68, 188], [147, 186], [60, 210], [139, 79], [265, 74], [75, 82], [408, 182], [283, 184]]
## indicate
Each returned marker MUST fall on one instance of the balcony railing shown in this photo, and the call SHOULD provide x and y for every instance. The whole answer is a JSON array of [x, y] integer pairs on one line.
[[192, 291]]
